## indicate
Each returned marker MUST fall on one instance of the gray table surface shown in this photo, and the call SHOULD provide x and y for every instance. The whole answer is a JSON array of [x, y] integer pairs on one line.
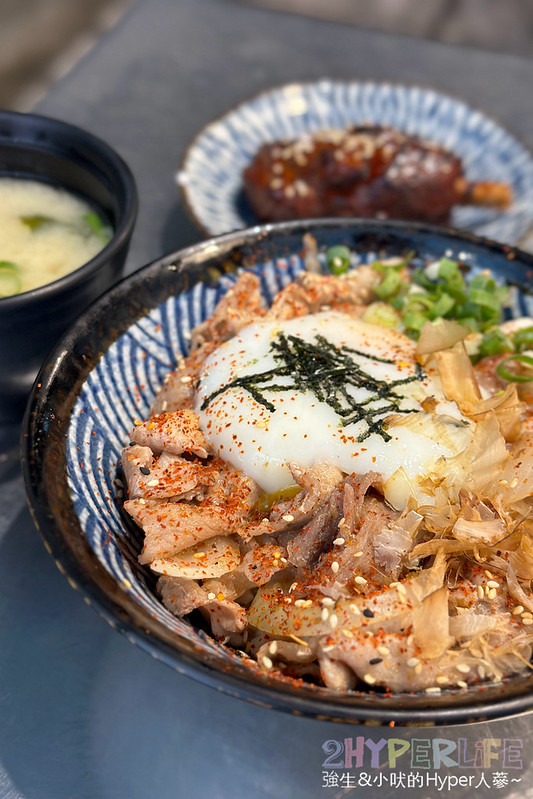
[[83, 713]]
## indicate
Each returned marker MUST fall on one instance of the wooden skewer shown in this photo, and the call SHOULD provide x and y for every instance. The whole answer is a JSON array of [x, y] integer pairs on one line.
[[492, 194]]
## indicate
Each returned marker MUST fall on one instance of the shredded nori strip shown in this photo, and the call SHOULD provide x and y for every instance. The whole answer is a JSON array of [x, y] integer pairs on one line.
[[327, 371]]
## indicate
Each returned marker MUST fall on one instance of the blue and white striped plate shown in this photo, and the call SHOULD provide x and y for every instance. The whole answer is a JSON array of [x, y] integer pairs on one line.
[[210, 176]]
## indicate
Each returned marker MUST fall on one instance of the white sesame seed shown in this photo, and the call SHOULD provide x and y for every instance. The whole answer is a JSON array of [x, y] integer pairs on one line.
[[300, 185], [369, 679], [154, 482], [384, 650], [480, 591], [481, 672], [299, 603], [328, 648], [489, 574], [527, 615], [273, 647], [276, 183], [433, 689], [492, 593], [442, 679], [333, 621], [288, 517], [493, 584], [463, 668], [211, 596], [267, 663], [401, 588], [357, 554], [293, 586], [412, 662], [518, 610], [328, 601], [527, 621], [347, 633], [307, 603], [325, 614], [338, 542], [335, 567], [462, 684], [360, 580], [342, 522]]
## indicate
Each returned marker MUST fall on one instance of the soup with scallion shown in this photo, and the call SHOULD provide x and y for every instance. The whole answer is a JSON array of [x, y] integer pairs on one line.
[[45, 233]]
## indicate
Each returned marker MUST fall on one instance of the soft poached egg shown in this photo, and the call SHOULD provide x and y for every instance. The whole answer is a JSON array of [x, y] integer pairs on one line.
[[261, 436]]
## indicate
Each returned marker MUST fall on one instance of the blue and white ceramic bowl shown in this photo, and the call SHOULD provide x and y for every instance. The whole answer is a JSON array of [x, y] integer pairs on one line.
[[104, 374], [211, 174]]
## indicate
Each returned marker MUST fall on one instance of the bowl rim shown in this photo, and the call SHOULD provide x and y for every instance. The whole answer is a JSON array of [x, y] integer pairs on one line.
[[306, 84], [102, 591], [114, 165]]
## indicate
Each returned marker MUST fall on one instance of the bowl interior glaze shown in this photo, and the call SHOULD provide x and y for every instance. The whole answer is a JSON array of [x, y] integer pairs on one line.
[[104, 374]]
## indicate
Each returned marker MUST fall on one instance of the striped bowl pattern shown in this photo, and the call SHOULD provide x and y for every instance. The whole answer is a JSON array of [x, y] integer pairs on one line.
[[210, 177]]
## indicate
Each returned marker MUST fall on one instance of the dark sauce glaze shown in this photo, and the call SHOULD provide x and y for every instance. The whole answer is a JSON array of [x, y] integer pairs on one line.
[[365, 172]]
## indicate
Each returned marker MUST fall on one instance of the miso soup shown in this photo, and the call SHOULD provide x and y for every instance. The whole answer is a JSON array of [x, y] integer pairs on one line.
[[45, 233]]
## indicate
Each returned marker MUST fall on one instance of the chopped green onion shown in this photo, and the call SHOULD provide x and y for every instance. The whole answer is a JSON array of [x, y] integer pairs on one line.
[[390, 284], [512, 377], [338, 259], [449, 270], [484, 298], [36, 222], [418, 302], [414, 322], [10, 282], [382, 313], [523, 339], [476, 305], [99, 227], [494, 342]]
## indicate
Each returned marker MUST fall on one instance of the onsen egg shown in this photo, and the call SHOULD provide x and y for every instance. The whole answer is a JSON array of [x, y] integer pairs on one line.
[[350, 393]]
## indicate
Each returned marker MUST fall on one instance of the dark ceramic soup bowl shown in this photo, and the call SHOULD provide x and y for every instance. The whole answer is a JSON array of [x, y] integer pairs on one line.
[[48, 150], [103, 375]]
